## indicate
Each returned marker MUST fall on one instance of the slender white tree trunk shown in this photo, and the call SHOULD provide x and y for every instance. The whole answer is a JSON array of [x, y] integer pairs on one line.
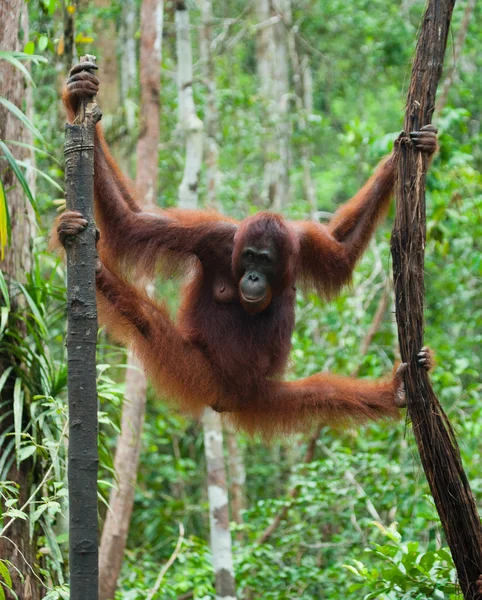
[[306, 150], [188, 198], [128, 72], [116, 527], [212, 150], [189, 122], [237, 477], [221, 545], [304, 108], [273, 72]]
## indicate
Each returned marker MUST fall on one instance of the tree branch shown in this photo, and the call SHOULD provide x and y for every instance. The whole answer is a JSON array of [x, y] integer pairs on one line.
[[81, 348], [434, 435]]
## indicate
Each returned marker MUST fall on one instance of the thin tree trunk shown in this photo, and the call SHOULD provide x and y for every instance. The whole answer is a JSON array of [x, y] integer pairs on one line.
[[128, 49], [81, 349], [218, 507], [152, 13], [433, 433], [308, 185], [116, 527], [17, 547], [457, 52], [304, 105], [237, 478], [282, 95], [212, 150], [273, 72], [68, 38], [190, 123], [106, 48]]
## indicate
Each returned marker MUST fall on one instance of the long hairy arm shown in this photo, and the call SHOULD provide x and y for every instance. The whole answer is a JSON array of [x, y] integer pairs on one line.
[[329, 253], [130, 237]]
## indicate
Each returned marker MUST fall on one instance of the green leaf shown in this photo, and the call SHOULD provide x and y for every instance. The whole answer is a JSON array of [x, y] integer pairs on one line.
[[5, 229], [4, 290], [4, 572], [42, 43], [33, 148], [4, 312], [16, 514], [4, 376], [8, 55], [17, 415], [35, 310], [15, 168], [52, 5], [37, 513], [26, 452], [352, 569], [53, 544], [20, 67], [22, 117], [29, 48], [42, 174]]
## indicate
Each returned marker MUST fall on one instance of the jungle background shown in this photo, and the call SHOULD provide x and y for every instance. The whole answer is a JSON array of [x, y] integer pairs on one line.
[[294, 104]]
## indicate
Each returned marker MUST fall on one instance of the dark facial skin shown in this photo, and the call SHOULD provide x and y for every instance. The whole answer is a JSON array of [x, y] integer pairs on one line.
[[259, 263]]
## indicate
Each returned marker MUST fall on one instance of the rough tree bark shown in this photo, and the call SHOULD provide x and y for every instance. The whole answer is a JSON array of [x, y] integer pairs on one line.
[[433, 433], [116, 526], [189, 122], [81, 363], [16, 547], [18, 260]]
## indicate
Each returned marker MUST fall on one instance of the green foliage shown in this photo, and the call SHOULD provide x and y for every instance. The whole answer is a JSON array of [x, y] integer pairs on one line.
[[34, 425], [404, 571], [362, 524]]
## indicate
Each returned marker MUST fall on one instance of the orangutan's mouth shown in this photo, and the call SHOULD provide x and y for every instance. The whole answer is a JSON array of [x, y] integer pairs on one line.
[[253, 300]]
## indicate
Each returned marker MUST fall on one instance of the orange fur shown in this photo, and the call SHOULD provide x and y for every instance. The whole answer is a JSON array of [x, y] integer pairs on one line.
[[218, 354], [321, 398], [330, 252]]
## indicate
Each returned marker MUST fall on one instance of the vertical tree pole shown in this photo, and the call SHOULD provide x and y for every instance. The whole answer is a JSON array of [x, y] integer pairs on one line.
[[221, 543], [81, 347], [434, 435]]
